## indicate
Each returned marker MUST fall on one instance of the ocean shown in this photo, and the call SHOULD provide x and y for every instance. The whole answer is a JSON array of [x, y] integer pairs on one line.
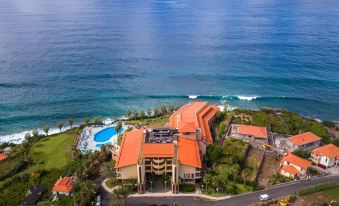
[[77, 58]]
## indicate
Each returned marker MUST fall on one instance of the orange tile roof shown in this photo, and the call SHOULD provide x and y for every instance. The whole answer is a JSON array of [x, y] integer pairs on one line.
[[63, 185], [158, 150], [3, 156], [195, 114], [186, 127], [290, 169], [304, 138], [188, 152], [329, 150], [298, 161], [130, 147], [260, 132]]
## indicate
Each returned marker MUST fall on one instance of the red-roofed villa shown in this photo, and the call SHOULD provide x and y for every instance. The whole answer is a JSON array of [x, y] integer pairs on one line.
[[292, 166], [250, 133], [303, 141], [326, 156], [63, 186]]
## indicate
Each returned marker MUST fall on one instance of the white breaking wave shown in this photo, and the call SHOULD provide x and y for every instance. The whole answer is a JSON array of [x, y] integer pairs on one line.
[[248, 98], [192, 96]]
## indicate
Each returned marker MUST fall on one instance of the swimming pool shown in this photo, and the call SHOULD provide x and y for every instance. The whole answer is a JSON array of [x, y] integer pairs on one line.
[[105, 134]]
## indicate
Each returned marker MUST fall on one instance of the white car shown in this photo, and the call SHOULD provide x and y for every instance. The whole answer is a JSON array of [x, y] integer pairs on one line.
[[264, 197]]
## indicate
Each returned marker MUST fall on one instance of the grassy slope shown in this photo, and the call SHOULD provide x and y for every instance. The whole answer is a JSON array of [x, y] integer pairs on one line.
[[158, 122], [53, 151]]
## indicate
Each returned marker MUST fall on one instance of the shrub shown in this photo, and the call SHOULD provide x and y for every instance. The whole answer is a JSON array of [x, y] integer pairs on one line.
[[327, 123], [186, 187], [303, 153]]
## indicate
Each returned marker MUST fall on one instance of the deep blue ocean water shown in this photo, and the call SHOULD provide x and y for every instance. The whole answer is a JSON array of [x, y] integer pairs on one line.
[[76, 58]]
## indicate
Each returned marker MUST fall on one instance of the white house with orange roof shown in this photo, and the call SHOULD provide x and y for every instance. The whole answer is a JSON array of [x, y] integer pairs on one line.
[[64, 186], [303, 141], [326, 156], [250, 133], [292, 166]]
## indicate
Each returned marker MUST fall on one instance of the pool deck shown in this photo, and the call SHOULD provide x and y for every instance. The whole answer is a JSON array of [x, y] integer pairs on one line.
[[87, 142]]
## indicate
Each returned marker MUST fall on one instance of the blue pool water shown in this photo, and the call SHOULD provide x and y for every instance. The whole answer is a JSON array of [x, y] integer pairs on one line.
[[105, 134]]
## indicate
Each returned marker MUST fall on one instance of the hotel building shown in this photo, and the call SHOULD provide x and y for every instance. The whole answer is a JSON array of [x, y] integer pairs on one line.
[[176, 150]]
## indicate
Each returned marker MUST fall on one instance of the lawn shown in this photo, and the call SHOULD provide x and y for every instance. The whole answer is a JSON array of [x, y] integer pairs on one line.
[[53, 151], [333, 193], [154, 122]]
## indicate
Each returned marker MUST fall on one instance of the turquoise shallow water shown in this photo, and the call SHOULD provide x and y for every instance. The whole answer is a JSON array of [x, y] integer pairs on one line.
[[61, 59]]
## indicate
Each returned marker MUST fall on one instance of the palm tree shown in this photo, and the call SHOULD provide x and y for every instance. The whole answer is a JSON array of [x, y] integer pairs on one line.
[[171, 109], [96, 121], [155, 112], [86, 120], [59, 125], [207, 179], [163, 110], [235, 170], [129, 114], [118, 127], [46, 129], [142, 114], [70, 122], [245, 174], [149, 112], [135, 115]]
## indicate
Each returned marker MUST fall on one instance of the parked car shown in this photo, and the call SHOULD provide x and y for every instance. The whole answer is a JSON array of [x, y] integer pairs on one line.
[[264, 197], [98, 200]]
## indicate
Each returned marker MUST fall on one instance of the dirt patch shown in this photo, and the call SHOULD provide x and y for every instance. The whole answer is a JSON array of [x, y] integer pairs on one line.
[[253, 160], [270, 166], [313, 199]]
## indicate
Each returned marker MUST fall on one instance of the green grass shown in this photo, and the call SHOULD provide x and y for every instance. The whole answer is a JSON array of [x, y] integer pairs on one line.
[[240, 188], [153, 122], [333, 193], [53, 151]]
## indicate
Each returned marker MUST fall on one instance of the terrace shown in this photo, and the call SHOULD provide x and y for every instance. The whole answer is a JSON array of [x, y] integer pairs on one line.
[[161, 135]]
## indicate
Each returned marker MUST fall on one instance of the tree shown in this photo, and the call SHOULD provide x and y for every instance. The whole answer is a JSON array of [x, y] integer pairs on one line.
[[163, 110], [46, 129], [118, 127], [207, 179], [86, 121], [170, 109], [142, 114], [149, 112], [329, 124], [59, 125], [155, 112], [135, 115], [245, 174], [129, 114], [213, 153], [35, 135], [25, 148], [234, 171], [104, 153], [70, 122], [96, 121], [122, 192], [108, 170], [85, 192]]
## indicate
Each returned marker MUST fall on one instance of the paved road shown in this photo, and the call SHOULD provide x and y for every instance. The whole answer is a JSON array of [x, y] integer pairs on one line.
[[245, 199]]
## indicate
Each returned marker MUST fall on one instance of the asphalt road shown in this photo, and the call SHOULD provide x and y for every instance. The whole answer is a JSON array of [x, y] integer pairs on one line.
[[245, 199]]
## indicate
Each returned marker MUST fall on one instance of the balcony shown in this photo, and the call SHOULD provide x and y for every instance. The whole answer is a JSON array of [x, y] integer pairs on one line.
[[158, 161]]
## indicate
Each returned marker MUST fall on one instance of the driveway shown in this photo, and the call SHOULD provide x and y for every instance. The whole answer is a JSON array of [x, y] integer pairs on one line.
[[245, 199]]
